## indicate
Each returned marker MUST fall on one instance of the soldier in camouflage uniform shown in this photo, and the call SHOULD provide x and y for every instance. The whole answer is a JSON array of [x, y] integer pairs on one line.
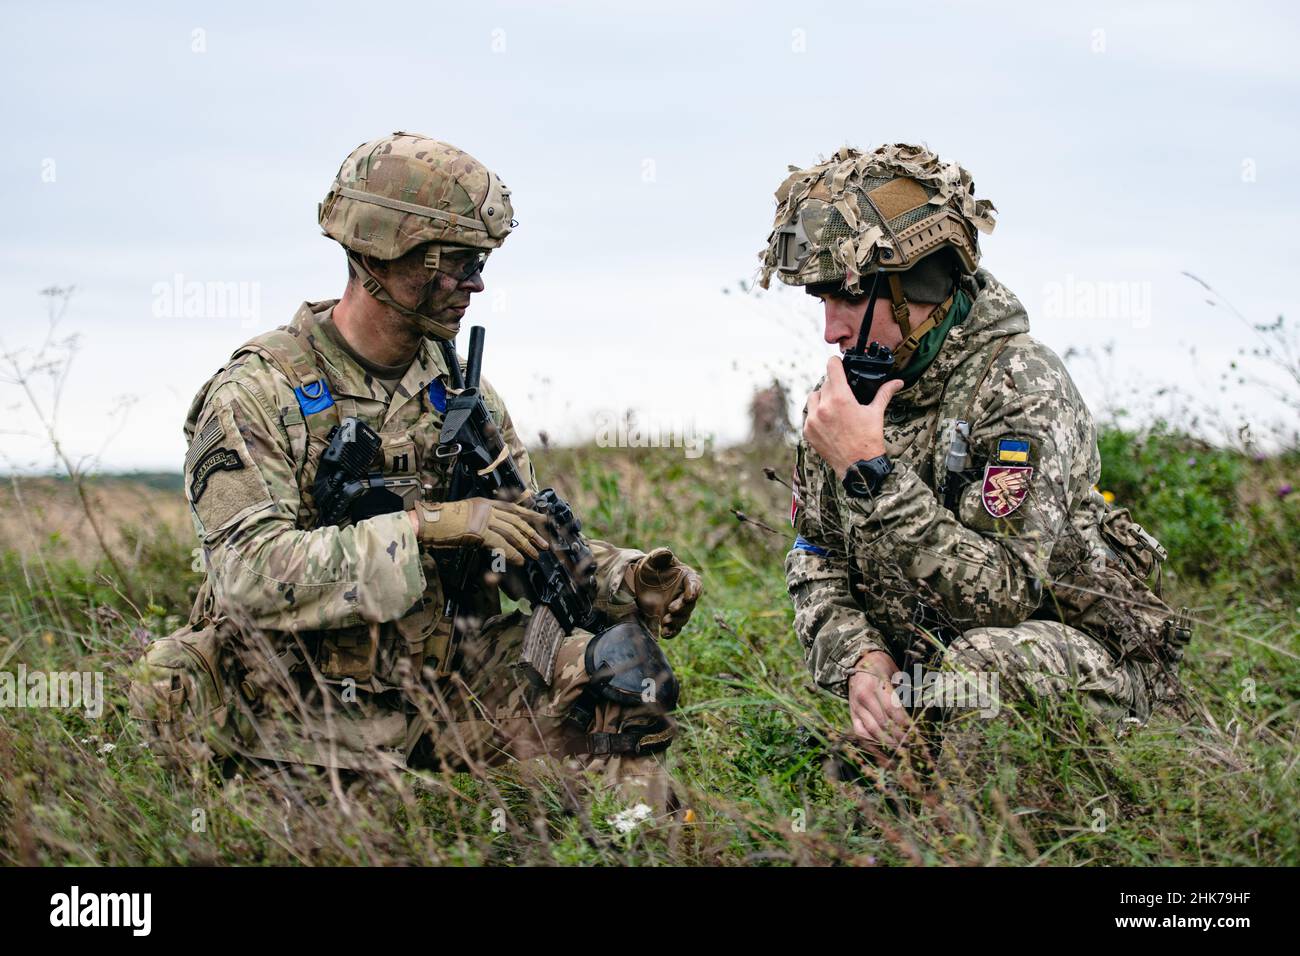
[[329, 645], [951, 543]]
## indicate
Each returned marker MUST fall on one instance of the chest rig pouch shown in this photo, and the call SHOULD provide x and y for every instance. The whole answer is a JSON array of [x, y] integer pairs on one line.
[[347, 472], [348, 488]]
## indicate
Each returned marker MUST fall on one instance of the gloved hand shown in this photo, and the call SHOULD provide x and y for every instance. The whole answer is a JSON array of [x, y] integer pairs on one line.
[[498, 525], [666, 590]]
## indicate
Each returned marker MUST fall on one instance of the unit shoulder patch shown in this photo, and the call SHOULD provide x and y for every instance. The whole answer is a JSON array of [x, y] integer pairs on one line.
[[218, 459], [1005, 488]]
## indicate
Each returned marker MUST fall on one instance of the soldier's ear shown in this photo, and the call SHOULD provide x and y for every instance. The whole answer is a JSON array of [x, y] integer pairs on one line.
[[381, 269]]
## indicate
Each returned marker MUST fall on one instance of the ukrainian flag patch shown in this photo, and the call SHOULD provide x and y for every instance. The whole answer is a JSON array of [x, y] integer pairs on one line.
[[1013, 450]]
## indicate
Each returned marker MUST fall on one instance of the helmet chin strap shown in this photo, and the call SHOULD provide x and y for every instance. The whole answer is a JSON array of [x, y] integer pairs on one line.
[[444, 331], [864, 328], [912, 336]]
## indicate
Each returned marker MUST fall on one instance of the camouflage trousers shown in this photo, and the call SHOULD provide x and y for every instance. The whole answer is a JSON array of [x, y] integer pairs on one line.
[[1044, 659], [490, 710], [986, 670]]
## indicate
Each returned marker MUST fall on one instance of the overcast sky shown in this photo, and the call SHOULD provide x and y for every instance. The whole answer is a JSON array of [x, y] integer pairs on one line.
[[642, 144]]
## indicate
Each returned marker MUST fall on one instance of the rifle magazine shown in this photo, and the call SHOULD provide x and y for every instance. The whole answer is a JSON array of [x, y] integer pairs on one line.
[[542, 639]]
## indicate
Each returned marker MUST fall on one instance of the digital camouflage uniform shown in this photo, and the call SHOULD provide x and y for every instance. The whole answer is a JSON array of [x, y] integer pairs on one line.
[[328, 645], [1013, 564]]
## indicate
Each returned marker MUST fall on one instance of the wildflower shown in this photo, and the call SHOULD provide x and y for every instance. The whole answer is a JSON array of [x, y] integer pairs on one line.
[[625, 821], [1284, 490]]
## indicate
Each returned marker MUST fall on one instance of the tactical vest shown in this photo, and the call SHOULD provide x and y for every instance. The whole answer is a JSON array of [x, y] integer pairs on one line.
[[350, 652], [308, 424]]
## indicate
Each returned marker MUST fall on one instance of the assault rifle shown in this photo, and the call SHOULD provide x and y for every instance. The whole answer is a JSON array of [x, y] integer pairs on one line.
[[560, 583]]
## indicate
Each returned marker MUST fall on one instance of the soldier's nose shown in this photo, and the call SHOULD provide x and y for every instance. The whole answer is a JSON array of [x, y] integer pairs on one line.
[[837, 330]]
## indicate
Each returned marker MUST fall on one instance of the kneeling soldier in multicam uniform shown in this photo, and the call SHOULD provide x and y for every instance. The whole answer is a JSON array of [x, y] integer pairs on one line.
[[948, 525], [329, 645]]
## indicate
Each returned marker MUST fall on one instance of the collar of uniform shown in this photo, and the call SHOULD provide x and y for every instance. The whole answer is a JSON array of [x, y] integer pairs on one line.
[[929, 387], [348, 378], [995, 313], [427, 366]]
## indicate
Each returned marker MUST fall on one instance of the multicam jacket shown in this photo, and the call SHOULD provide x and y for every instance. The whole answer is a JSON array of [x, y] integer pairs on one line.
[[257, 430], [1028, 535]]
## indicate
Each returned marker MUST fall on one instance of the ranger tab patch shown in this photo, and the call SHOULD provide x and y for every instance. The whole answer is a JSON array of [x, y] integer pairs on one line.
[[219, 459]]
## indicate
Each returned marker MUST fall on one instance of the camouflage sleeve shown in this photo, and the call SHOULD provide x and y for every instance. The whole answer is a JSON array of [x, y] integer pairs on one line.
[[265, 572], [985, 564], [831, 626], [612, 597]]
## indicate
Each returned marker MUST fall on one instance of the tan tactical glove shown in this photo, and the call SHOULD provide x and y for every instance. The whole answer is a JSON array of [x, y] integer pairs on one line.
[[497, 525], [666, 590]]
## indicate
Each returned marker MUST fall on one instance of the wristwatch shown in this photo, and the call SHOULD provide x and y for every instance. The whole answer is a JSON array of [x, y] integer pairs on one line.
[[864, 477]]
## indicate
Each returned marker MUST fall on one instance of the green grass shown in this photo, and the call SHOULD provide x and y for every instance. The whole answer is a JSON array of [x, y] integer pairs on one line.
[[761, 760]]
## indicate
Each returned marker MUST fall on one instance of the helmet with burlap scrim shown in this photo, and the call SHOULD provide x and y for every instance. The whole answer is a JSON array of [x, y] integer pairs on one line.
[[395, 193], [859, 213]]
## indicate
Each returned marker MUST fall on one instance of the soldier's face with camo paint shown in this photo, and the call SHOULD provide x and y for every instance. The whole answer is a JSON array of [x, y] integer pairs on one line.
[[442, 295]]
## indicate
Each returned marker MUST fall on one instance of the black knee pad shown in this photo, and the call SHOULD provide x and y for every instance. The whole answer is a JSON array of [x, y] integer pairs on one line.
[[625, 661]]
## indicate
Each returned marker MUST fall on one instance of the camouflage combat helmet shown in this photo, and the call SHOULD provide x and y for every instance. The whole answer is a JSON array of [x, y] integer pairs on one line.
[[398, 192], [879, 212]]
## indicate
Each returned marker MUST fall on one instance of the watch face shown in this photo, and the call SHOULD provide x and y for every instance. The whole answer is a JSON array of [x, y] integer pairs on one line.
[[855, 483], [863, 478]]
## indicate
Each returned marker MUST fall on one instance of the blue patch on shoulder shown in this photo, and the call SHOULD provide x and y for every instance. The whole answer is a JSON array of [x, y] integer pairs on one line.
[[438, 395], [803, 544], [314, 397]]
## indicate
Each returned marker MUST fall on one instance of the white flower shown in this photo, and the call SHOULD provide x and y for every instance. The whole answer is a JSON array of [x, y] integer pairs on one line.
[[107, 748], [625, 821]]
